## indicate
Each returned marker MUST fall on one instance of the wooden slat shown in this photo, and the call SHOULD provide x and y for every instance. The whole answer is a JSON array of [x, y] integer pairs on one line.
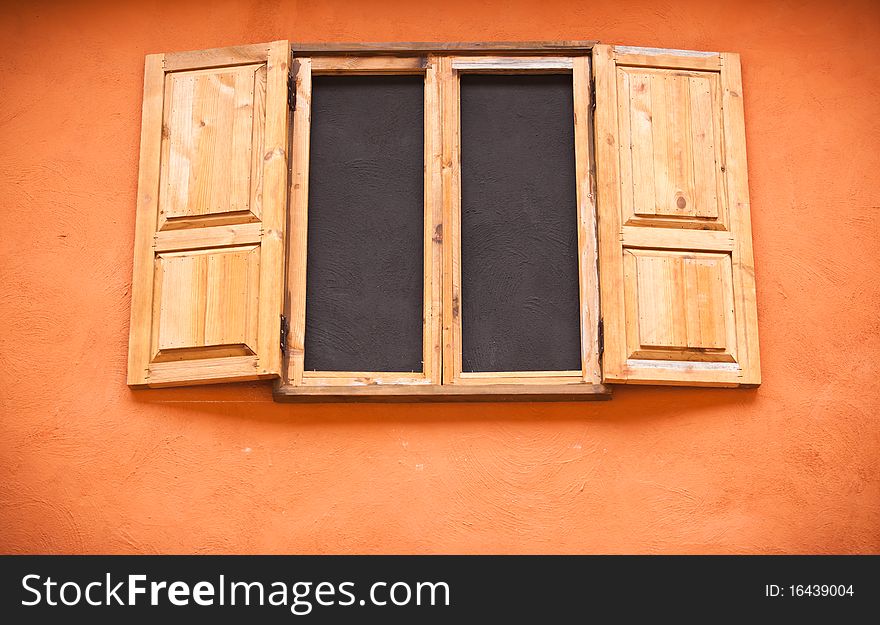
[[682, 355], [341, 379], [706, 319], [611, 278], [483, 375], [681, 198], [522, 378], [676, 239], [451, 167], [206, 221], [377, 375], [663, 52], [433, 259], [659, 111], [671, 59], [333, 65], [410, 47], [444, 393], [586, 216], [297, 241], [274, 212], [217, 57], [216, 236], [140, 325], [258, 142], [641, 146], [504, 64], [745, 303], [684, 373], [704, 116], [207, 371], [196, 353]]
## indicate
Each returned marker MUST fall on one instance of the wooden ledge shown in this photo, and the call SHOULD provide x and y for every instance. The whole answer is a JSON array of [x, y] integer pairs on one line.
[[402, 393], [460, 47]]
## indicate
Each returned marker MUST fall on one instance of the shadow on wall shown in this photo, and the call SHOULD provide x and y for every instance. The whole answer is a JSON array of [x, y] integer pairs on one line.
[[639, 405]]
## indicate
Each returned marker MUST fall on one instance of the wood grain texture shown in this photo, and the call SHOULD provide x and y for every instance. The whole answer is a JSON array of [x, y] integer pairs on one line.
[[451, 172], [608, 187], [212, 236], [669, 59], [208, 141], [679, 307], [217, 57], [274, 208], [588, 267], [299, 217], [444, 393], [367, 65], [140, 325], [433, 252], [476, 47], [205, 371], [207, 291], [676, 239], [683, 305], [671, 143], [508, 64], [206, 298], [745, 293]]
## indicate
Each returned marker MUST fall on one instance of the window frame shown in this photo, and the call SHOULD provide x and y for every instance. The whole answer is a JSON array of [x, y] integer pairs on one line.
[[303, 68], [442, 378], [695, 322], [578, 67]]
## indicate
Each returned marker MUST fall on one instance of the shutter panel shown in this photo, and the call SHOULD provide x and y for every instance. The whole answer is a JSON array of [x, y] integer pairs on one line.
[[212, 190], [676, 269]]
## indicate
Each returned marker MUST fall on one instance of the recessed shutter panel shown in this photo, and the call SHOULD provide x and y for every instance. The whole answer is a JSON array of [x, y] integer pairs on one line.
[[212, 189], [676, 268]]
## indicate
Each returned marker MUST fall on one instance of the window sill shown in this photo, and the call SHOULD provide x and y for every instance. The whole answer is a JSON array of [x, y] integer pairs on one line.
[[446, 393]]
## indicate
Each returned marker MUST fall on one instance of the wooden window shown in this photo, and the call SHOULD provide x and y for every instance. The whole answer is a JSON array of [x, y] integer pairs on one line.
[[521, 301], [449, 219], [378, 219]]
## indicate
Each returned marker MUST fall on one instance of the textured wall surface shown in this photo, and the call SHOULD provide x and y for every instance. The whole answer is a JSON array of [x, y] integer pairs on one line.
[[87, 465]]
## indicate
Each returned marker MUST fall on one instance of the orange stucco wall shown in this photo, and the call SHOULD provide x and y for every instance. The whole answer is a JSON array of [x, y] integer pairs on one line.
[[87, 465]]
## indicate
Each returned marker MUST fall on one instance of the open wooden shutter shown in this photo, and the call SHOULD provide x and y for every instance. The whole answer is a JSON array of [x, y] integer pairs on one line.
[[676, 269], [212, 189]]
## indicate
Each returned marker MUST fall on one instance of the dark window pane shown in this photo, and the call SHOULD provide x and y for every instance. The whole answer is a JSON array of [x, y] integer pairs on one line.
[[519, 271], [365, 224]]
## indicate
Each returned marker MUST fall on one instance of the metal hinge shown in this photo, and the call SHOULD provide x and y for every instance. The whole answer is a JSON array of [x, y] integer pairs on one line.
[[291, 93], [593, 93], [601, 337], [285, 329]]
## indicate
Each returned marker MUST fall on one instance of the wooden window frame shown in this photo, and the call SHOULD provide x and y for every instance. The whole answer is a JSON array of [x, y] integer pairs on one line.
[[668, 269], [578, 67], [442, 378], [303, 68]]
